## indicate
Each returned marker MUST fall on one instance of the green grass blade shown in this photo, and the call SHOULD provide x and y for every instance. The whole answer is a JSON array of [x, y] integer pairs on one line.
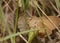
[[57, 3], [32, 35], [16, 34]]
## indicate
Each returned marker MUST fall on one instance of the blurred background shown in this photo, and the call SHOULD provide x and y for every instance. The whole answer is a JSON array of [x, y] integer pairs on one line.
[[13, 19]]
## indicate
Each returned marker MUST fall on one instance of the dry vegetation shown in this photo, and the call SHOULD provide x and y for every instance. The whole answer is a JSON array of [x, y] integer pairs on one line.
[[29, 21]]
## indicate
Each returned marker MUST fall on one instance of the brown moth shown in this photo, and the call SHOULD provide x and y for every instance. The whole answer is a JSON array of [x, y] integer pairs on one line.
[[36, 23]]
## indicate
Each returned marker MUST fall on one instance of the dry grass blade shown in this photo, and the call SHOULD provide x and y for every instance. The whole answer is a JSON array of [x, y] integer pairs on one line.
[[55, 8], [23, 38]]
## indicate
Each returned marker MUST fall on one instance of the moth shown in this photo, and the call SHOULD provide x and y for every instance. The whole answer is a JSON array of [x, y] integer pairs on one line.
[[40, 23]]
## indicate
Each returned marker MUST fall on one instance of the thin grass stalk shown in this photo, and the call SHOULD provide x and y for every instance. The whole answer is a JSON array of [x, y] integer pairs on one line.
[[55, 8], [23, 38], [16, 20]]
